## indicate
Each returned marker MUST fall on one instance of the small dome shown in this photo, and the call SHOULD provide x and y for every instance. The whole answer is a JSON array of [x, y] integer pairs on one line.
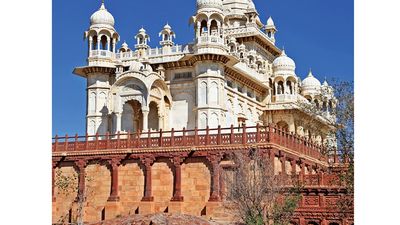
[[283, 63], [270, 22], [325, 83], [124, 45], [310, 82], [136, 66], [167, 27], [209, 4], [142, 30], [102, 16], [251, 5]]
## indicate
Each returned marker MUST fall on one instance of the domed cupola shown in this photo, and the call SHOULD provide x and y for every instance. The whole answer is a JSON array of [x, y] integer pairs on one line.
[[283, 65], [102, 17], [310, 85], [209, 4]]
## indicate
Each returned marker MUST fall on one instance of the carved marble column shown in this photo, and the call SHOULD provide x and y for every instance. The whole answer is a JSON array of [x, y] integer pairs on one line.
[[113, 44], [147, 163], [114, 163], [90, 45], [145, 120], [215, 192], [81, 165], [118, 122], [98, 43], [108, 43], [177, 179]]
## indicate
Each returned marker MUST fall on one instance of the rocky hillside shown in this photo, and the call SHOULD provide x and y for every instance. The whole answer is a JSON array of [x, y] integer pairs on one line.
[[158, 219]]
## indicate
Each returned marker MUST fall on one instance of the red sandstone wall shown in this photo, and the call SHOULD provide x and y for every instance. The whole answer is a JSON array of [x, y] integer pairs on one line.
[[98, 189], [162, 184], [196, 181], [64, 201], [131, 186], [195, 186]]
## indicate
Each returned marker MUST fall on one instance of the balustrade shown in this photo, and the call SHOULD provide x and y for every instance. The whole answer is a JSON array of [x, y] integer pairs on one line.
[[210, 39], [102, 54], [187, 138]]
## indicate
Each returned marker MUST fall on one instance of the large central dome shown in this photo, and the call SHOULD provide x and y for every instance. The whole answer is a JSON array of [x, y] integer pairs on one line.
[[201, 4]]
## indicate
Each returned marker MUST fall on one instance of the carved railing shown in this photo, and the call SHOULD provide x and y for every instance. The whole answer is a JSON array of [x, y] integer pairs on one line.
[[207, 39], [317, 179], [197, 137], [102, 54]]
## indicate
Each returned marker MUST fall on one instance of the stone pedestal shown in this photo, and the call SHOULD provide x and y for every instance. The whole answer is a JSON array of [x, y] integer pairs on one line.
[[211, 209], [146, 208], [112, 209], [175, 207]]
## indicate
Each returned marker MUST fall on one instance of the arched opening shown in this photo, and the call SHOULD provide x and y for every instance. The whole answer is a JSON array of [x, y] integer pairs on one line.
[[153, 116], [333, 223], [111, 45], [280, 88], [259, 65], [141, 40], [282, 125], [94, 43], [103, 42], [132, 116], [289, 86], [203, 27], [166, 37], [330, 106], [251, 60], [316, 103], [232, 48], [308, 98], [241, 55], [324, 106], [214, 28]]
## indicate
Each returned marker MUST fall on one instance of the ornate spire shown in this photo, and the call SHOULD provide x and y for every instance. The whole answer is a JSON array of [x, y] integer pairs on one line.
[[102, 7], [310, 73], [283, 53]]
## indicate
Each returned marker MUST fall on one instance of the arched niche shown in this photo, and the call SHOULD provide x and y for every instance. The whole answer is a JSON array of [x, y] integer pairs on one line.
[[282, 125]]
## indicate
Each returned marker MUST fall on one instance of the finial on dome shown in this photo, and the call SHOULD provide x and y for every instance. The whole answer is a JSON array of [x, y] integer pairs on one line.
[[325, 82], [102, 7], [310, 73], [283, 53]]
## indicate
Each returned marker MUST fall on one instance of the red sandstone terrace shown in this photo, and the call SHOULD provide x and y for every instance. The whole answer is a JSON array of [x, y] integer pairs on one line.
[[178, 172]]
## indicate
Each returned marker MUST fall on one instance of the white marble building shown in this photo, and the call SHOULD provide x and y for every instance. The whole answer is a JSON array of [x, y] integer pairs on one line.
[[232, 73]]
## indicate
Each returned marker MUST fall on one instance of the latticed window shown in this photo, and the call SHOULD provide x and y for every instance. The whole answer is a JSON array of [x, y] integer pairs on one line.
[[181, 76]]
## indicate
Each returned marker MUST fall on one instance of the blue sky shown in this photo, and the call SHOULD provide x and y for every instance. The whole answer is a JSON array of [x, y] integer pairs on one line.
[[316, 34]]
